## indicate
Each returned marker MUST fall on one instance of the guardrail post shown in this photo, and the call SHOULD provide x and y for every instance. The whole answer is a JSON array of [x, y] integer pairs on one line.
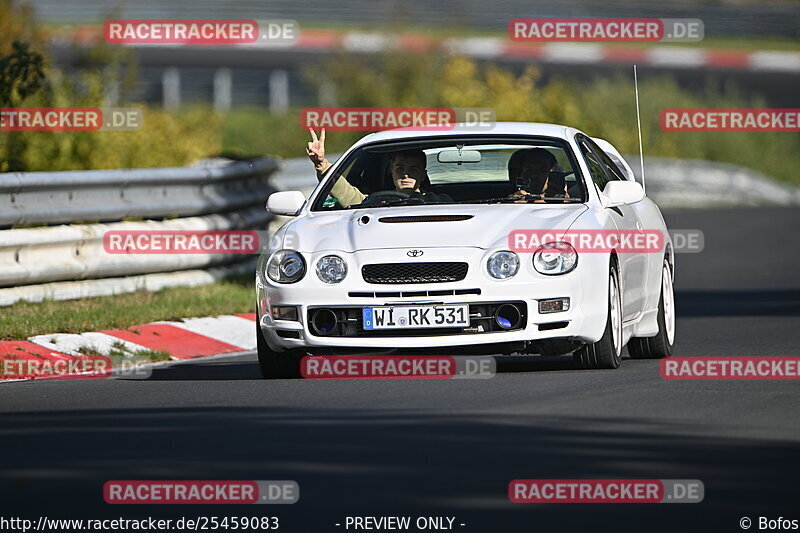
[[171, 88], [111, 94], [223, 87], [327, 94], [279, 91]]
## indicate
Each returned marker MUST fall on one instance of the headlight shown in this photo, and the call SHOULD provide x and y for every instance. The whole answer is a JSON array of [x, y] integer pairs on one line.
[[555, 258], [502, 265], [331, 269], [286, 266]]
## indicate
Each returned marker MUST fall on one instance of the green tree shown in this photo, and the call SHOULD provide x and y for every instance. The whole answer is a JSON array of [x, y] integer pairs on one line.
[[21, 74]]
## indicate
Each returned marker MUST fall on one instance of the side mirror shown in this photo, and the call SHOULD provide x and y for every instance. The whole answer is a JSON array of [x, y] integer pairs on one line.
[[622, 193], [285, 203]]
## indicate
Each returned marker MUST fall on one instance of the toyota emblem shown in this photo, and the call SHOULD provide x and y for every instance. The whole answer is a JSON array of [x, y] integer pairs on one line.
[[414, 253]]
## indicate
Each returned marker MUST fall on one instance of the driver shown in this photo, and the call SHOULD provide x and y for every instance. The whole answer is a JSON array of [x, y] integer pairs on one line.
[[408, 174]]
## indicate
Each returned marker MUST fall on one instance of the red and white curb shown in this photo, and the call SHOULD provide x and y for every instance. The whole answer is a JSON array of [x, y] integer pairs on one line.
[[655, 55], [499, 48], [189, 339]]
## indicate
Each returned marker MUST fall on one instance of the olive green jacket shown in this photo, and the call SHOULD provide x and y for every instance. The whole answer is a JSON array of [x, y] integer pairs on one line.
[[342, 190]]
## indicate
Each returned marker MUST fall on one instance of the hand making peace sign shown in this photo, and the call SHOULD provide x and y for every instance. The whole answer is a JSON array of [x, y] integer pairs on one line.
[[316, 148]]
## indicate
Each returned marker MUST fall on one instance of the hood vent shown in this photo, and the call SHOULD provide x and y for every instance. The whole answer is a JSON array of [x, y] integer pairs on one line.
[[425, 218]]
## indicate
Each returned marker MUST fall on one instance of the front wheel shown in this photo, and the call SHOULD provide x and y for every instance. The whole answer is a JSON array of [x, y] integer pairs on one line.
[[660, 345], [276, 365], [606, 353]]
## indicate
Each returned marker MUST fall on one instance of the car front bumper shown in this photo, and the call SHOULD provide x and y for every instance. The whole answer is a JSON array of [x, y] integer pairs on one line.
[[584, 321]]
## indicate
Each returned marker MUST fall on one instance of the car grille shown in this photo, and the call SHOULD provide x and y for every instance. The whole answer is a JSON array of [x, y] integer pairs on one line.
[[414, 272]]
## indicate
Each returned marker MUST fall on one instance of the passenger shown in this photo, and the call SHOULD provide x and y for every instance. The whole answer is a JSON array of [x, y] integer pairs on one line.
[[529, 172], [407, 167]]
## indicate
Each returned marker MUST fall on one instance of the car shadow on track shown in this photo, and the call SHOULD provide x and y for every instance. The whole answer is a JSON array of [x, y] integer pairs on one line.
[[534, 364], [248, 369], [204, 371]]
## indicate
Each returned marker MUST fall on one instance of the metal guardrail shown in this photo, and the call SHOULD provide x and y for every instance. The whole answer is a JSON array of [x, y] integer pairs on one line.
[[76, 252], [109, 195], [694, 183], [215, 195], [93, 288]]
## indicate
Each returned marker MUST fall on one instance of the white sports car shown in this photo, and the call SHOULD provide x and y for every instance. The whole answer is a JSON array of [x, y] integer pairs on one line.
[[523, 239]]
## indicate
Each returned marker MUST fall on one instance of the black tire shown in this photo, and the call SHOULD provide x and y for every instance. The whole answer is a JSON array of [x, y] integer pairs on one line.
[[277, 365], [604, 353], [660, 345]]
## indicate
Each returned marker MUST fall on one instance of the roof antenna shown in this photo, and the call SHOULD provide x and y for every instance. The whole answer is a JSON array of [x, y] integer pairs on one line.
[[639, 124]]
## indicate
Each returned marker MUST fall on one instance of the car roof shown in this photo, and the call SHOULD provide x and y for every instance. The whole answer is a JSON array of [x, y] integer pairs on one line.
[[498, 128]]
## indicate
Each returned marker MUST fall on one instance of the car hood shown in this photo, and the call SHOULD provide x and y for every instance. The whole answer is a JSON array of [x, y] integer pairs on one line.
[[362, 229]]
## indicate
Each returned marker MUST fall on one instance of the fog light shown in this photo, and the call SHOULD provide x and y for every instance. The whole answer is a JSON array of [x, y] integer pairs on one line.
[[508, 316], [323, 321], [284, 313], [555, 305]]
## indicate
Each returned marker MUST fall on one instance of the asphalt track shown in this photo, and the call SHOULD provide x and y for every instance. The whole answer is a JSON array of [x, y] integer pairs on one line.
[[450, 448]]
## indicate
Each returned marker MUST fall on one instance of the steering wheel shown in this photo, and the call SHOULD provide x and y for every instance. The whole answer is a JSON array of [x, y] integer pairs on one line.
[[382, 196]]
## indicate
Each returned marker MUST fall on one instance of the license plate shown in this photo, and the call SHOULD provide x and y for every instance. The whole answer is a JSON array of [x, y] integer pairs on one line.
[[412, 317]]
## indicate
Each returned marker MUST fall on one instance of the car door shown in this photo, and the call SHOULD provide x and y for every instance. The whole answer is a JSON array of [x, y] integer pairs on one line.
[[633, 264], [643, 259]]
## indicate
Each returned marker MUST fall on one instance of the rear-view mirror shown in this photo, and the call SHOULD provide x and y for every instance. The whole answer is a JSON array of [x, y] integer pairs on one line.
[[459, 156]]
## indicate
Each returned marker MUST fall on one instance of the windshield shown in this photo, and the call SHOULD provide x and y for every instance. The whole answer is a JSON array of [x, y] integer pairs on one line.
[[538, 170]]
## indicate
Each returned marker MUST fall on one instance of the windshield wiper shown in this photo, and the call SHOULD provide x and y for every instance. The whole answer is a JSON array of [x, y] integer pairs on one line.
[[389, 203], [525, 198], [405, 201], [557, 199]]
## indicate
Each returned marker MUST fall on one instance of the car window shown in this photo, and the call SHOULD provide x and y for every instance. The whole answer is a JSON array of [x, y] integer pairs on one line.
[[454, 170], [598, 171], [611, 167], [493, 165]]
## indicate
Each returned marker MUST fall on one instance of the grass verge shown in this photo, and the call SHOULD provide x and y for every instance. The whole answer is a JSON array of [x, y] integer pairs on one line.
[[24, 319], [120, 355]]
